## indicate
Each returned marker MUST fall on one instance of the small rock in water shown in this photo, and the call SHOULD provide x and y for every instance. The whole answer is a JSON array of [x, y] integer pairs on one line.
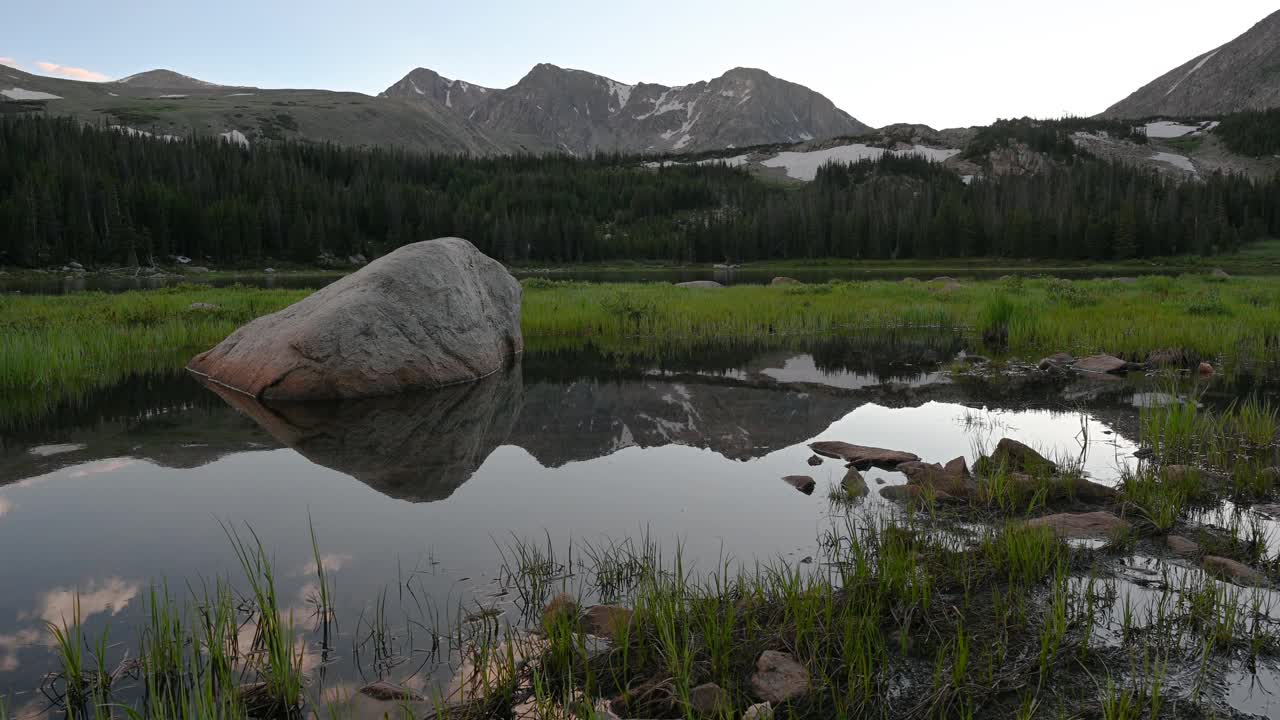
[[779, 678], [1181, 546], [1206, 368], [803, 483], [815, 460], [785, 281], [1219, 273], [958, 467], [269, 271], [700, 285], [1236, 572], [854, 484], [390, 692]]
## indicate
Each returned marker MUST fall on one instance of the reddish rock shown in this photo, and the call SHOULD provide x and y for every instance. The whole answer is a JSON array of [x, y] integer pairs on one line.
[[606, 620], [862, 456], [390, 692], [958, 467], [937, 477], [1206, 369], [563, 607], [1233, 571], [1019, 457], [1082, 525], [779, 678], [1106, 364], [803, 483], [1182, 546]]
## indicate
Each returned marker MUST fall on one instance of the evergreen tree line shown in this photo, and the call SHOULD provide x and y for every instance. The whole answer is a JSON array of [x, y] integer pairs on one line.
[[1253, 133], [69, 191]]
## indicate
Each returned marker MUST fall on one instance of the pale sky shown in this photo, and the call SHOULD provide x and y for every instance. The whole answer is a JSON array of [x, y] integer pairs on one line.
[[942, 62]]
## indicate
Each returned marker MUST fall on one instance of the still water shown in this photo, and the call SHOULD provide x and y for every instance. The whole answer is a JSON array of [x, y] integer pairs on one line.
[[418, 495]]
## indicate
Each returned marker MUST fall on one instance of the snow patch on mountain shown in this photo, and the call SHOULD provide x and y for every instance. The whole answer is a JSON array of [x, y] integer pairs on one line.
[[621, 92], [20, 94], [804, 165], [1192, 71]]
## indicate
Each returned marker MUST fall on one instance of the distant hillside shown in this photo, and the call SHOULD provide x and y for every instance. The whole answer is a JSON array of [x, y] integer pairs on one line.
[[166, 103], [1244, 74]]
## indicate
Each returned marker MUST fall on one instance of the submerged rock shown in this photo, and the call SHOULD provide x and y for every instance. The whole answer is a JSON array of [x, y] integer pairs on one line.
[[815, 460], [861, 456], [390, 692], [1082, 525], [779, 678], [429, 314], [1233, 571], [700, 285], [803, 483]]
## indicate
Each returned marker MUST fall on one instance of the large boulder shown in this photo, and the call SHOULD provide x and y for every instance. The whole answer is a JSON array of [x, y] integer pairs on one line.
[[430, 314]]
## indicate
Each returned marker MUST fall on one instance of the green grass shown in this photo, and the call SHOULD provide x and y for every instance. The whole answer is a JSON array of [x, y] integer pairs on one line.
[[56, 348]]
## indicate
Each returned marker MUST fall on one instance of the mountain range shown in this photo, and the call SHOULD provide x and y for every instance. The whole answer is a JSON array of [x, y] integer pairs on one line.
[[554, 108], [551, 109], [560, 110]]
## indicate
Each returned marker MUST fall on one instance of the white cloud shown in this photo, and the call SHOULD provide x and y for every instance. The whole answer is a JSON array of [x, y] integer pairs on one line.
[[10, 62], [74, 73], [111, 595]]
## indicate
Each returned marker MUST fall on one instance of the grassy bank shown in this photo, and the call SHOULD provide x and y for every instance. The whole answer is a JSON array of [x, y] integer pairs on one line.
[[56, 347]]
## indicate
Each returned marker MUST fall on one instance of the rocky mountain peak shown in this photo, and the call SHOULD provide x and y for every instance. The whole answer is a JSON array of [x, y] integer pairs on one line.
[[429, 86], [567, 110], [162, 79]]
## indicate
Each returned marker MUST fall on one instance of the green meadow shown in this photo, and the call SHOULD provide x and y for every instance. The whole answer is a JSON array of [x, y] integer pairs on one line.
[[55, 348]]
